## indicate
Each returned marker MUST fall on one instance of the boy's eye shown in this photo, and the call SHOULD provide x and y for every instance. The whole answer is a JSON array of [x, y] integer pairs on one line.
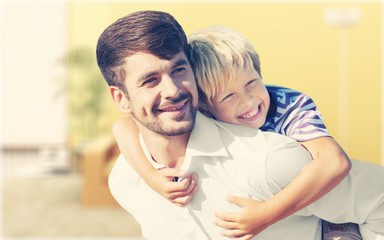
[[227, 97], [251, 83]]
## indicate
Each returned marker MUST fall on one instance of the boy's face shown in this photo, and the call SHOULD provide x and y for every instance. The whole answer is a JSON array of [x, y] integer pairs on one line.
[[245, 102], [162, 93]]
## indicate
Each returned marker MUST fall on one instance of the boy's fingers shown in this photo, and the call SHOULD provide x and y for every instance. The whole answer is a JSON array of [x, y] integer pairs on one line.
[[232, 233], [225, 224], [180, 186], [173, 172], [184, 185], [182, 201], [191, 184], [236, 234], [177, 189], [246, 237], [237, 200], [226, 216]]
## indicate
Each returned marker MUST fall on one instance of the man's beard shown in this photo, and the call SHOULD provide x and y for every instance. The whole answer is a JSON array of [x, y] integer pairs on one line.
[[162, 129], [159, 129]]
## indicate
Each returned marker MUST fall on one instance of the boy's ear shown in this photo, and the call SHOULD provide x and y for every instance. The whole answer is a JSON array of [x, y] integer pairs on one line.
[[120, 99]]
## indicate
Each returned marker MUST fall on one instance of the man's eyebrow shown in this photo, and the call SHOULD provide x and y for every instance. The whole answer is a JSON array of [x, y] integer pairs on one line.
[[146, 76], [180, 63]]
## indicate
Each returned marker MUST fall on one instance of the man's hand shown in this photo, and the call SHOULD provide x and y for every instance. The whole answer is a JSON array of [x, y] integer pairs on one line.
[[175, 185], [250, 221]]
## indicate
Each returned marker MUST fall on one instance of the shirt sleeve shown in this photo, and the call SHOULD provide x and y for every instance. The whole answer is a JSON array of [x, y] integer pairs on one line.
[[303, 120], [359, 198], [286, 158]]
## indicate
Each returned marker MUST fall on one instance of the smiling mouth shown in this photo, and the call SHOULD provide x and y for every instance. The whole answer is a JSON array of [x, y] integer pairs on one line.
[[174, 107], [251, 114]]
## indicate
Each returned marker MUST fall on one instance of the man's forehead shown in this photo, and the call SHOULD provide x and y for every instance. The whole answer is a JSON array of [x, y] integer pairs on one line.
[[142, 64], [150, 60]]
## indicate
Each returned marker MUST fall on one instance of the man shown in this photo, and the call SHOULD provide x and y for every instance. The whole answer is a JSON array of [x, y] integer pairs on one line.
[[143, 58]]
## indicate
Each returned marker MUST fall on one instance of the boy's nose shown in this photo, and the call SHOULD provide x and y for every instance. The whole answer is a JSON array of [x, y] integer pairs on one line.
[[246, 100]]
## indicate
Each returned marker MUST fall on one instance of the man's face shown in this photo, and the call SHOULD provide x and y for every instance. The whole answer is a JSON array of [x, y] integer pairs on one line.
[[162, 93]]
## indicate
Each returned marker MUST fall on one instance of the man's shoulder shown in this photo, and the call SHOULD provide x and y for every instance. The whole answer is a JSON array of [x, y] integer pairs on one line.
[[122, 172], [224, 127], [238, 132]]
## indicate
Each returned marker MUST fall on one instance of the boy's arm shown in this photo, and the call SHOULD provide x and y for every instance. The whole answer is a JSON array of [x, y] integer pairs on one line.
[[359, 198], [329, 166], [180, 193]]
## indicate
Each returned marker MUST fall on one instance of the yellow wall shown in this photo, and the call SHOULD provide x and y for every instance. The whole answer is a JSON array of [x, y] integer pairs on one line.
[[297, 48]]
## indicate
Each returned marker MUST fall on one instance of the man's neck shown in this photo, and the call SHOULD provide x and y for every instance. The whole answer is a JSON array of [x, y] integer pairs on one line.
[[167, 150]]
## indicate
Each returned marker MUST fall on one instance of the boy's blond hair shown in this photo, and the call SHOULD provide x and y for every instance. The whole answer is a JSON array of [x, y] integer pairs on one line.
[[217, 54]]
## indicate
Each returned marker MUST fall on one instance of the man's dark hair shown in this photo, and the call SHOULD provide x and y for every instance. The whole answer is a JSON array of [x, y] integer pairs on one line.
[[152, 32]]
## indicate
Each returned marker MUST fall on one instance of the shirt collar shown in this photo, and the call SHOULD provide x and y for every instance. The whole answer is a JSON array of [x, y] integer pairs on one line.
[[205, 139], [148, 154]]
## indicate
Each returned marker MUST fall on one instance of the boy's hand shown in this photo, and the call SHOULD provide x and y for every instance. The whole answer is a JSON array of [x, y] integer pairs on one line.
[[250, 221], [175, 185]]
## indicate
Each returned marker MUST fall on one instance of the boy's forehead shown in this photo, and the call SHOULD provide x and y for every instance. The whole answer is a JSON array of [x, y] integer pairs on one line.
[[236, 77]]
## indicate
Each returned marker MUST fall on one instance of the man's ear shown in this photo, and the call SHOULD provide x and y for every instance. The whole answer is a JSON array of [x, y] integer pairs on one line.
[[120, 99]]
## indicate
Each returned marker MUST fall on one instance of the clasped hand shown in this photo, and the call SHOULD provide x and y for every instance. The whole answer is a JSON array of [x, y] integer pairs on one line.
[[250, 221], [243, 225]]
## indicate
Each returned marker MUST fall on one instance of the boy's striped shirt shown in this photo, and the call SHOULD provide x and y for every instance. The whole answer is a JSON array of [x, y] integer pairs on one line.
[[293, 114]]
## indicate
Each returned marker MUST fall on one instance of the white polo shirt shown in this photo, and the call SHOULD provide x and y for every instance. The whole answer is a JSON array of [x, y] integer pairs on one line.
[[229, 160]]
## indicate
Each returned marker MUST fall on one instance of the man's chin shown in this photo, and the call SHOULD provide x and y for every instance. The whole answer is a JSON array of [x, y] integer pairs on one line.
[[178, 128], [168, 125]]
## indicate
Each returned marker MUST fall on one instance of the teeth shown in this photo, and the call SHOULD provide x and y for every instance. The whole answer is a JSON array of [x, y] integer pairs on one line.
[[250, 114], [171, 109], [174, 108]]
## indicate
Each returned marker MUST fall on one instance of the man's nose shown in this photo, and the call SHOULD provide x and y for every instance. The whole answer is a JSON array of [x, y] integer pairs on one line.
[[170, 87]]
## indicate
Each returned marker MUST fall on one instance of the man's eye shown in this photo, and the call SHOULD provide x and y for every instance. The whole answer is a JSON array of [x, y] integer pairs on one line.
[[149, 81], [178, 70]]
